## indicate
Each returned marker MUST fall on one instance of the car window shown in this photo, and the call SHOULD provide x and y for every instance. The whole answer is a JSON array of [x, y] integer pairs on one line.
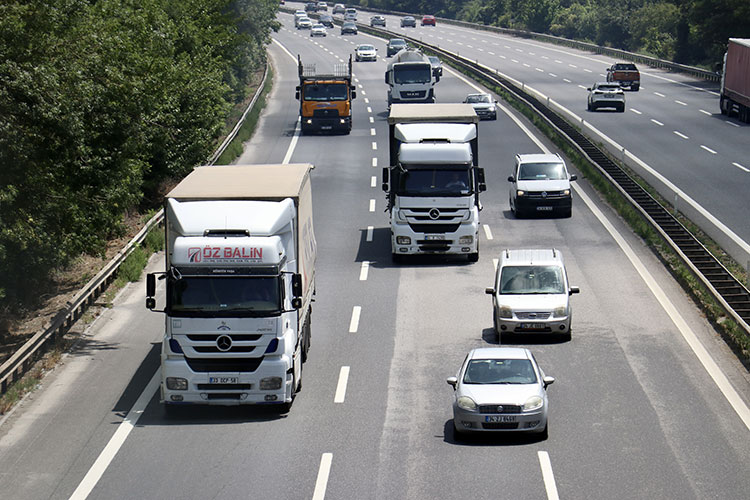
[[478, 98], [531, 280], [541, 171], [500, 371]]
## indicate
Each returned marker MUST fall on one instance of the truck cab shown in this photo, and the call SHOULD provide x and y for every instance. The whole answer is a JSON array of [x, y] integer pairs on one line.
[[410, 78], [325, 99]]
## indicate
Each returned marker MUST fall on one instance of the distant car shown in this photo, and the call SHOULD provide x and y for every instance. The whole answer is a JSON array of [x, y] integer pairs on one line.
[[365, 52], [484, 105], [281, 2], [326, 20], [428, 21], [304, 23], [540, 184], [377, 21], [500, 389], [311, 7], [348, 27], [339, 8], [437, 66], [394, 46], [531, 293], [318, 30], [408, 22], [606, 95], [350, 14], [321, 7]]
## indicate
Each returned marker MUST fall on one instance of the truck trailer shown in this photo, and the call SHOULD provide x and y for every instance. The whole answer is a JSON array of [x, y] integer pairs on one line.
[[735, 80], [434, 180], [325, 99], [239, 279], [410, 78]]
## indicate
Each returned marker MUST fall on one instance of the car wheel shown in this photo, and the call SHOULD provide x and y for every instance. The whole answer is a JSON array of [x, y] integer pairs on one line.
[[474, 257], [588, 107], [495, 324], [457, 434]]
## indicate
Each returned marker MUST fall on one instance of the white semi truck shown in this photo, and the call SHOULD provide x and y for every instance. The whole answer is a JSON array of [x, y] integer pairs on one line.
[[410, 78], [240, 279], [434, 180]]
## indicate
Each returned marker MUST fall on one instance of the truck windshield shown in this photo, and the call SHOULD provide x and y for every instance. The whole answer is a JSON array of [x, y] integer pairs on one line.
[[435, 182], [326, 92], [412, 73], [213, 296], [530, 280]]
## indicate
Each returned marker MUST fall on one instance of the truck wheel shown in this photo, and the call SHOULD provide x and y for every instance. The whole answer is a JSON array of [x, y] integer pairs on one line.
[[474, 257], [495, 325], [306, 335], [635, 87], [397, 258]]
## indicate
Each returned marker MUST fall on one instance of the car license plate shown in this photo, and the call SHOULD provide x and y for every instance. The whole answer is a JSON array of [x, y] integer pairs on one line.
[[326, 127], [532, 326], [222, 380], [434, 237], [499, 418], [544, 209]]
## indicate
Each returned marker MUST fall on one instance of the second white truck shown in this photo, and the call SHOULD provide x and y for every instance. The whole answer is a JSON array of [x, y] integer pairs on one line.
[[434, 180], [410, 78]]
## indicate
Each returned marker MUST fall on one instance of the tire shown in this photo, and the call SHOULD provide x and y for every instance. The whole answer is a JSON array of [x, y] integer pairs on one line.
[[635, 88], [568, 212], [495, 324], [589, 108], [723, 105], [474, 257], [397, 258], [457, 435], [306, 333], [621, 109]]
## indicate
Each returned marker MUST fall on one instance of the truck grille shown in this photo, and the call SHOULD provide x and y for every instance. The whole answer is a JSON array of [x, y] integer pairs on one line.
[[434, 228], [202, 365], [215, 350], [236, 337], [326, 113], [413, 94]]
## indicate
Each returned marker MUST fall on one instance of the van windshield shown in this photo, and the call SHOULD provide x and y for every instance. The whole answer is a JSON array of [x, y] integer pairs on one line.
[[530, 280]]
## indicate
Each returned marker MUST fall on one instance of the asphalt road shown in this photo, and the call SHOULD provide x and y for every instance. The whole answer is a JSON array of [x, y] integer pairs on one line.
[[634, 412]]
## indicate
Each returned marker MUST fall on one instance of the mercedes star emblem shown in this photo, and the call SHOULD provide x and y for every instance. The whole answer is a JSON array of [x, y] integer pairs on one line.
[[434, 213], [224, 343]]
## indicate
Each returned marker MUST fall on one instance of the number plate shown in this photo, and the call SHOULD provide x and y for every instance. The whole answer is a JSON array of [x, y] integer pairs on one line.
[[532, 326], [544, 209], [434, 237], [499, 418], [223, 380], [326, 127]]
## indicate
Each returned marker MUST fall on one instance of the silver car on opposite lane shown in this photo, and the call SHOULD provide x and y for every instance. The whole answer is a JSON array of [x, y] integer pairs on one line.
[[500, 389]]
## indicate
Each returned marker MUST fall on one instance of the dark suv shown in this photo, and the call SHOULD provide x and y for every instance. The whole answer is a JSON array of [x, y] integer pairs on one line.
[[394, 46]]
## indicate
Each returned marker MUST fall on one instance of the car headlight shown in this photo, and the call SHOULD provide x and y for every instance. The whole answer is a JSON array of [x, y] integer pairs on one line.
[[533, 403], [566, 192], [466, 403], [505, 312], [559, 312], [520, 193]]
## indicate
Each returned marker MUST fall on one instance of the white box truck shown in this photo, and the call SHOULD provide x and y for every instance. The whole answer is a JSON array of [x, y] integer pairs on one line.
[[240, 279], [434, 180]]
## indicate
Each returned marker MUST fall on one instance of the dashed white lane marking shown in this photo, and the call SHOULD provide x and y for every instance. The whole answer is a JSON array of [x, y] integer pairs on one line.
[[341, 385], [678, 134], [367, 101], [372, 120], [490, 53], [115, 443], [705, 112], [552, 75], [731, 123], [369, 109], [582, 87], [708, 149], [659, 94], [740, 166], [374, 146], [372, 205], [487, 231], [572, 65], [370, 231], [681, 103], [374, 162], [539, 70], [323, 472], [515, 60], [548, 475], [373, 181], [635, 111], [657, 122], [587, 70], [354, 323], [372, 131], [364, 270], [566, 80]]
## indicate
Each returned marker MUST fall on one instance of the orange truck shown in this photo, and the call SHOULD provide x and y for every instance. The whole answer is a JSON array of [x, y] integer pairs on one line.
[[626, 74], [325, 100]]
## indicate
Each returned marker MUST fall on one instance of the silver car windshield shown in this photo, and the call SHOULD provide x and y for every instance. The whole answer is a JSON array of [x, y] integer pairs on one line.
[[530, 280], [541, 171], [500, 371]]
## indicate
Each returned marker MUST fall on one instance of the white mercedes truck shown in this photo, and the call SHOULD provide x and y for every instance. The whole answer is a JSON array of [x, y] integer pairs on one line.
[[239, 280], [434, 180], [410, 78]]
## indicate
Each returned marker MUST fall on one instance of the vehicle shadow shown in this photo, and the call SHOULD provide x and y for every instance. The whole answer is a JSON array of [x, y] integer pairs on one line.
[[488, 438], [491, 338]]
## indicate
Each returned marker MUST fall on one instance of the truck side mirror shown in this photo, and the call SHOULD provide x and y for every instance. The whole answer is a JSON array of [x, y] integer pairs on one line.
[[296, 93], [354, 92], [297, 303], [480, 180], [386, 175], [150, 285], [297, 285]]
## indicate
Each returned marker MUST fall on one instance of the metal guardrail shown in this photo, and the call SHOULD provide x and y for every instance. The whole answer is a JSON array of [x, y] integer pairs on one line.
[[20, 362], [728, 291]]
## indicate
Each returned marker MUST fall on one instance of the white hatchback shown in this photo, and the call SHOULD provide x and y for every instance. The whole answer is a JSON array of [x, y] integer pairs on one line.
[[606, 95]]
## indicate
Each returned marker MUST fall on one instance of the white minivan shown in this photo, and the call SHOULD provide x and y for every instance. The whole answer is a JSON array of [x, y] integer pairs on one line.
[[350, 15]]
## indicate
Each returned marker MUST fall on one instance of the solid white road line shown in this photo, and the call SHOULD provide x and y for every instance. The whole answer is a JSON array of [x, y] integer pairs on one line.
[[370, 230], [372, 205], [364, 270], [354, 323], [548, 476], [341, 386], [293, 143], [323, 472], [487, 231], [108, 453]]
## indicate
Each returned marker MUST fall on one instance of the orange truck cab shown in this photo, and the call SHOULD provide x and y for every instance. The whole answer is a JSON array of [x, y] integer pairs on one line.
[[325, 100]]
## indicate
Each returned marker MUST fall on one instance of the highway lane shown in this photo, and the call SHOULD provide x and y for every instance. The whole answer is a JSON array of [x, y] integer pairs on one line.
[[672, 123], [634, 415]]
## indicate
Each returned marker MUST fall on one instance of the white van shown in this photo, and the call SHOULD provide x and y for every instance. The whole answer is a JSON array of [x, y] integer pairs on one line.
[[350, 15]]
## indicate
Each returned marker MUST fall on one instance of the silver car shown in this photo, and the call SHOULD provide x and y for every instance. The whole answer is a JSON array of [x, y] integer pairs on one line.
[[500, 389], [531, 293], [365, 52], [484, 105], [318, 30]]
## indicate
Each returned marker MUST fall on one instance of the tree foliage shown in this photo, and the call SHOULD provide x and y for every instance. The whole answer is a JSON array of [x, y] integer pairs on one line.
[[100, 102]]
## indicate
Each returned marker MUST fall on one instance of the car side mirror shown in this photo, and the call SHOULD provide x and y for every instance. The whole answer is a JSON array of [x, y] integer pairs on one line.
[[573, 289], [489, 291], [452, 381], [511, 179], [588, 88], [547, 380], [573, 177]]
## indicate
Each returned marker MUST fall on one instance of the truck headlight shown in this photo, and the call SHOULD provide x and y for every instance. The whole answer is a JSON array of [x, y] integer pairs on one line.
[[566, 192], [403, 240], [505, 312], [177, 384], [559, 312], [533, 403], [270, 383], [465, 240], [466, 403]]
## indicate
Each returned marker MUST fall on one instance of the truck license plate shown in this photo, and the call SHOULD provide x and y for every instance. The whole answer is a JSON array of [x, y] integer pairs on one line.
[[499, 418], [434, 237], [222, 380]]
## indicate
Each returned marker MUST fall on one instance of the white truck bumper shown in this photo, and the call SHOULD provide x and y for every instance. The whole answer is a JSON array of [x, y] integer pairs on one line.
[[405, 241]]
